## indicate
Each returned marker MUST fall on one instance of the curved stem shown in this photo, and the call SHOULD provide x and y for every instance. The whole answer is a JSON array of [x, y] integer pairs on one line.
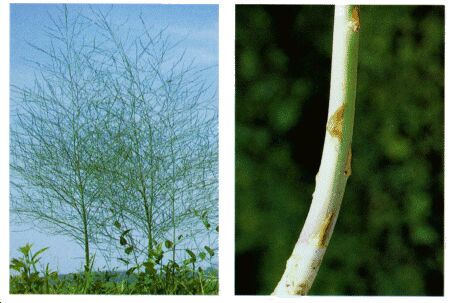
[[335, 166]]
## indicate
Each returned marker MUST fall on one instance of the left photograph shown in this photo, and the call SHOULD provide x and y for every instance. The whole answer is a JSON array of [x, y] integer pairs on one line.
[[114, 149]]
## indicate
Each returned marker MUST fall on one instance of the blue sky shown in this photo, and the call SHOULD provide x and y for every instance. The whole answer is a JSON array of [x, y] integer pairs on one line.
[[195, 25]]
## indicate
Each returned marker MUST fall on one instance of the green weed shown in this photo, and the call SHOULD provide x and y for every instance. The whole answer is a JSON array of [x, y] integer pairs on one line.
[[149, 277]]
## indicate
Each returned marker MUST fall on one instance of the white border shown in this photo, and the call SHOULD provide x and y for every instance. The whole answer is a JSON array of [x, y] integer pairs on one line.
[[226, 149], [226, 166]]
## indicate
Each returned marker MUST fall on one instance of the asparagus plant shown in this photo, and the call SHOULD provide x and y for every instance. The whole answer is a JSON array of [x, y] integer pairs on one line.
[[335, 167]]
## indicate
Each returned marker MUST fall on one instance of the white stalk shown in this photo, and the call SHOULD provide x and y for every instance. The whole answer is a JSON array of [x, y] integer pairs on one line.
[[335, 166]]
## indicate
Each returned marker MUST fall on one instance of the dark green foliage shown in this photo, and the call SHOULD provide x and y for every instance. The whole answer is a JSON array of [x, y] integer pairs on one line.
[[389, 235], [156, 279], [28, 279], [186, 283], [209, 250]]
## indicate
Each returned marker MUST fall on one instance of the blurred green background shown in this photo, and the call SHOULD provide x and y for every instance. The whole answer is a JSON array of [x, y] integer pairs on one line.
[[388, 238]]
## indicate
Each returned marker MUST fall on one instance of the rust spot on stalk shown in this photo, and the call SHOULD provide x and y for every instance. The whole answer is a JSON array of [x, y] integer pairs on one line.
[[325, 229], [316, 263], [335, 123], [301, 289], [348, 164], [355, 19]]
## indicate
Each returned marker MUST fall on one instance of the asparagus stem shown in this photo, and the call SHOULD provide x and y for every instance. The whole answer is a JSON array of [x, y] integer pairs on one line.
[[335, 166]]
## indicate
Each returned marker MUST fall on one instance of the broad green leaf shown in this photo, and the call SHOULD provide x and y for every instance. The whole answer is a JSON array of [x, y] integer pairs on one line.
[[123, 240], [188, 261], [131, 270], [207, 225], [149, 267], [16, 264], [202, 255], [37, 254], [25, 250], [168, 244], [209, 250], [126, 262], [191, 254], [151, 261], [159, 248], [129, 249], [126, 232]]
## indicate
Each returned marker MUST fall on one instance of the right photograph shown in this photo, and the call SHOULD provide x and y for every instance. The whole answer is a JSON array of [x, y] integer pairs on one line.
[[339, 150]]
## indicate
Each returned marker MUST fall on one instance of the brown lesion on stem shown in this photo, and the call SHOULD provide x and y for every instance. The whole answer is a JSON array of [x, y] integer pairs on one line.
[[301, 289], [348, 164], [355, 19], [316, 263], [325, 229], [335, 123]]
